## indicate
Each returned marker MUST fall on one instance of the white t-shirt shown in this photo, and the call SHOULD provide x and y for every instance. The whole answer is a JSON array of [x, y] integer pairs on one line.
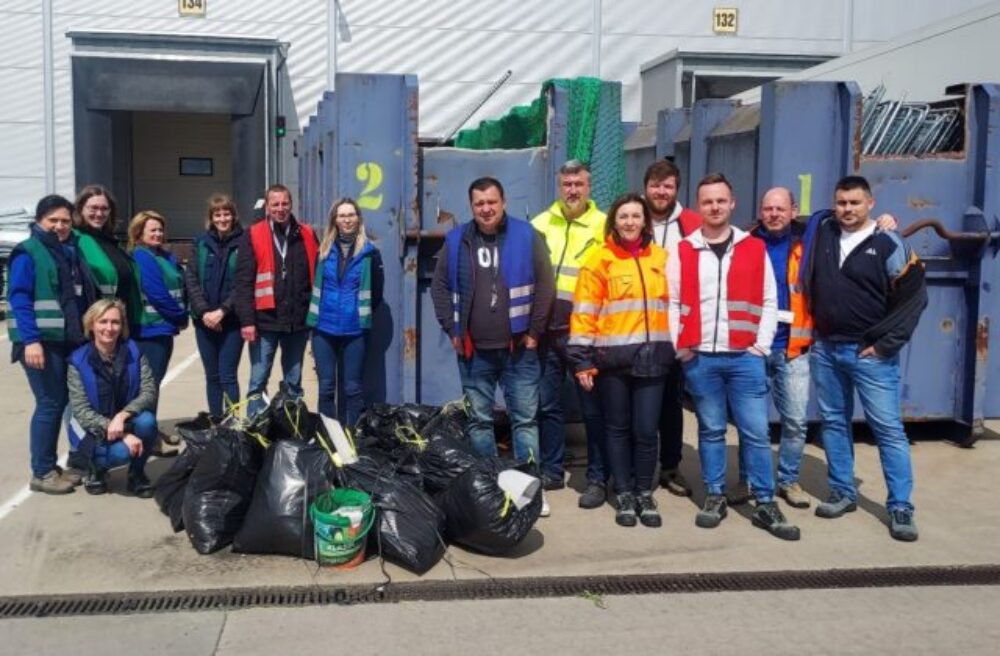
[[850, 240]]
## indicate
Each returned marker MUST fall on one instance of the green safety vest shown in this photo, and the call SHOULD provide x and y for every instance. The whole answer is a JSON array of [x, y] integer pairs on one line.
[[49, 316], [570, 243], [104, 273], [173, 278]]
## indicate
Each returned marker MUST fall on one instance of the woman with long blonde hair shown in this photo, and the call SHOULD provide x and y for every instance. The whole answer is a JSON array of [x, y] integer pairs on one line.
[[347, 289]]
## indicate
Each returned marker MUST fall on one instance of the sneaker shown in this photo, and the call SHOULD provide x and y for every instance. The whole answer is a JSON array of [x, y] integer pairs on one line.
[[51, 483], [95, 482], [901, 525], [835, 506], [740, 495], [551, 483], [546, 510], [768, 517], [71, 474], [673, 482], [625, 516], [712, 512], [164, 450], [648, 514], [794, 495], [139, 485], [593, 497]]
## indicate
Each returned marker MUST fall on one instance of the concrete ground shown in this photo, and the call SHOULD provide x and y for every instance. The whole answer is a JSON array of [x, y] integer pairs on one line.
[[84, 544]]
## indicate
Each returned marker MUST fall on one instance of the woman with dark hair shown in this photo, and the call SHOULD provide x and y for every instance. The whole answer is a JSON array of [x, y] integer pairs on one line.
[[346, 290], [620, 340], [50, 289], [210, 291], [95, 216], [162, 313], [112, 396]]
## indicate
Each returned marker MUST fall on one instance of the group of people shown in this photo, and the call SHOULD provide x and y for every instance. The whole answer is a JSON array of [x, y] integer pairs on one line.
[[655, 299], [93, 324]]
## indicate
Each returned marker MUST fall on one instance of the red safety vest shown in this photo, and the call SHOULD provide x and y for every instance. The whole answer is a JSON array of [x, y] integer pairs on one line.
[[263, 250], [689, 221], [744, 299]]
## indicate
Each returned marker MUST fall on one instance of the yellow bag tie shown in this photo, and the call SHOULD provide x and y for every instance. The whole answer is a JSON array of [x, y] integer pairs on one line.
[[507, 501]]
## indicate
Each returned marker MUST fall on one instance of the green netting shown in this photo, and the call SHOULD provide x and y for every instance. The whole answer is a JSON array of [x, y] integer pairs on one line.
[[593, 131]]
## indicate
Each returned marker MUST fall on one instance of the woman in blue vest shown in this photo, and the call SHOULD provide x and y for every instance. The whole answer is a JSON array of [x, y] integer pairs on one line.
[[347, 288], [112, 396], [50, 289], [162, 314], [209, 284]]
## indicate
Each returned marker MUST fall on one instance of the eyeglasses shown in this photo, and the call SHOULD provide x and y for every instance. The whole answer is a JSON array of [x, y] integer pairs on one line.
[[346, 216]]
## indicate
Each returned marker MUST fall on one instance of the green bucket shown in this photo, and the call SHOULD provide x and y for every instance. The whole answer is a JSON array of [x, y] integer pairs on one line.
[[339, 533]]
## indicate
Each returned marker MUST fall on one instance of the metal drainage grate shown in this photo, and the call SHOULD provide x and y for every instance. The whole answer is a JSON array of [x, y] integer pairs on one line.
[[568, 586]]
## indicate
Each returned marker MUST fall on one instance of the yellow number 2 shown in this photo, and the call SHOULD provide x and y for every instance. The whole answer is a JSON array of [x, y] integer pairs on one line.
[[371, 174]]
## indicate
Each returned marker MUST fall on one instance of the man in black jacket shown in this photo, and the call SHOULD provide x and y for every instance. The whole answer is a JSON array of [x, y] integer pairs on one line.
[[866, 291], [273, 287]]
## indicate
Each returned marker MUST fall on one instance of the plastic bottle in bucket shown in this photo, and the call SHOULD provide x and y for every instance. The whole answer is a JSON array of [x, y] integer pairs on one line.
[[341, 519]]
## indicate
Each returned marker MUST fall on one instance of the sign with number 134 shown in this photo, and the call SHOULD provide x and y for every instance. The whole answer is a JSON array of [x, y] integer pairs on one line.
[[191, 7]]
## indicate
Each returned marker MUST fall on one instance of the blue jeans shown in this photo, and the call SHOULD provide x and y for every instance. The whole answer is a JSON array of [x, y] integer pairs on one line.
[[838, 371], [517, 372], [157, 351], [739, 379], [631, 415], [115, 454], [262, 351], [790, 392], [351, 366], [551, 421], [51, 396], [220, 352]]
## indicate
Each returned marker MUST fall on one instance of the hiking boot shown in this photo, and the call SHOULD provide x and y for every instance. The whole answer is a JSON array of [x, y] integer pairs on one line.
[[625, 516], [712, 512], [673, 482], [835, 506], [546, 510], [72, 475], [164, 450], [593, 497], [794, 495], [648, 514], [768, 517], [901, 525], [95, 482], [139, 485], [551, 483], [739, 495], [51, 483]]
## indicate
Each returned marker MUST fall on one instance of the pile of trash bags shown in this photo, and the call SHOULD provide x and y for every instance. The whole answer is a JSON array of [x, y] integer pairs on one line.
[[250, 483]]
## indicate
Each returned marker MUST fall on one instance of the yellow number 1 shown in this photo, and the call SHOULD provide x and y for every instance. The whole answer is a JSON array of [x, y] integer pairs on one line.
[[371, 174], [805, 194]]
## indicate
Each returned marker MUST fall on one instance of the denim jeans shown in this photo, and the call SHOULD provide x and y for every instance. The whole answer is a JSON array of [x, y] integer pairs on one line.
[[115, 454], [51, 396], [739, 379], [838, 371], [220, 352], [630, 414], [517, 372], [157, 351], [262, 351], [672, 418], [551, 420], [340, 359], [790, 392]]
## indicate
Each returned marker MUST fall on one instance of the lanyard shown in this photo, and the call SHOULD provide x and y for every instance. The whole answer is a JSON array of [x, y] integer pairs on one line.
[[282, 248]]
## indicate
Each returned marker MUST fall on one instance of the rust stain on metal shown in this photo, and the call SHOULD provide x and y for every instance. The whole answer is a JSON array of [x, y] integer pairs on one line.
[[918, 203], [445, 217], [947, 325], [410, 265], [856, 146], [983, 339], [410, 344]]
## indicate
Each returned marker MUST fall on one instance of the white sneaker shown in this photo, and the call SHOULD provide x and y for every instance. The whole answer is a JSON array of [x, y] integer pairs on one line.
[[546, 511]]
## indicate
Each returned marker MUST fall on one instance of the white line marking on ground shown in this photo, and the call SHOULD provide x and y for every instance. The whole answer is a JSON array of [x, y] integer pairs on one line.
[[24, 493]]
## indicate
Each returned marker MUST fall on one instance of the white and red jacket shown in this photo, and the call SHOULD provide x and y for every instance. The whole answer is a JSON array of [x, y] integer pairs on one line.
[[726, 305]]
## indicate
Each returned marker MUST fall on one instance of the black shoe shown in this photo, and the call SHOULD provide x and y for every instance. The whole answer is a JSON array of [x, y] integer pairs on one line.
[[593, 497], [139, 485], [901, 525], [626, 509], [768, 517], [648, 514], [550, 483], [96, 481], [835, 506], [712, 512]]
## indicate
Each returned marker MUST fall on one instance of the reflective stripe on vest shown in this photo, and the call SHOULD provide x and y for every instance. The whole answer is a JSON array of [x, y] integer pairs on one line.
[[49, 318], [262, 242]]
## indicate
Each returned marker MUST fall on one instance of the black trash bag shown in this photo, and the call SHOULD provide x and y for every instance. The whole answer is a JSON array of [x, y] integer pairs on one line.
[[219, 491], [444, 454], [408, 527], [293, 475], [290, 418], [383, 424], [480, 515], [169, 490]]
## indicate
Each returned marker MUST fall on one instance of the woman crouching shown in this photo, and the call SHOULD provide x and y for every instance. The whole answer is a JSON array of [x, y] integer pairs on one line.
[[112, 396]]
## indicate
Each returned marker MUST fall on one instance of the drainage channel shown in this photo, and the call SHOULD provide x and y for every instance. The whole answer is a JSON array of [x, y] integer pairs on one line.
[[244, 598]]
